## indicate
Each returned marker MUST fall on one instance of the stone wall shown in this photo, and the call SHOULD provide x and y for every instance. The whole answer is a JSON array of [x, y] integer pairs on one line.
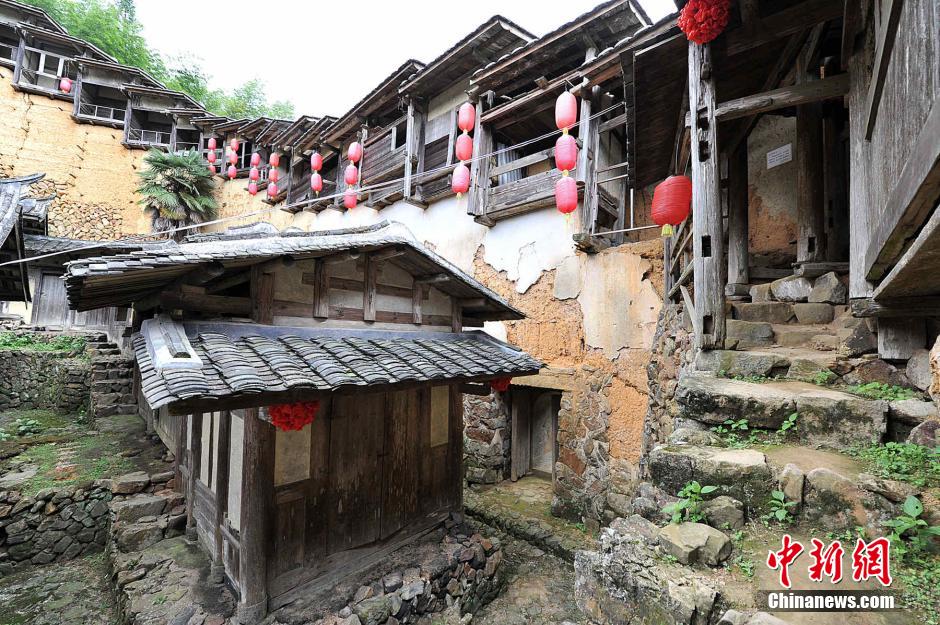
[[486, 438], [92, 174], [51, 380]]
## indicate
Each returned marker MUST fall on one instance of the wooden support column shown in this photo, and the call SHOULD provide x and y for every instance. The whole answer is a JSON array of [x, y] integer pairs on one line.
[[480, 167], [707, 237], [810, 190], [898, 338], [321, 290], [195, 455], [223, 451], [369, 273], [738, 277], [262, 296], [182, 425], [414, 154], [256, 506]]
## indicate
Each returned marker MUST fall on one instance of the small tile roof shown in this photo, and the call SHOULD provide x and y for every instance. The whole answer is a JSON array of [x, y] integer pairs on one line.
[[232, 360], [17, 212]]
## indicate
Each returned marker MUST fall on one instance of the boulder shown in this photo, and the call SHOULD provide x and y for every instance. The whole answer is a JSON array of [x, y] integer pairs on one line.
[[918, 369], [926, 434], [139, 536], [876, 370], [735, 363], [892, 490], [747, 334], [791, 482], [857, 340], [825, 342], [813, 314], [912, 411], [689, 436], [130, 483], [695, 543], [791, 289], [649, 501], [374, 610], [828, 289], [841, 419], [724, 512], [761, 293], [833, 501], [135, 508]]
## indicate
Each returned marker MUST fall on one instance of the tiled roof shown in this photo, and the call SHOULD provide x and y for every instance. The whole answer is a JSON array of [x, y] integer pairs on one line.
[[13, 283], [239, 360]]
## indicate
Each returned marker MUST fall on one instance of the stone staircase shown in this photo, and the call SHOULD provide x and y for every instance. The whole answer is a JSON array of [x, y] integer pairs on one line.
[[112, 380]]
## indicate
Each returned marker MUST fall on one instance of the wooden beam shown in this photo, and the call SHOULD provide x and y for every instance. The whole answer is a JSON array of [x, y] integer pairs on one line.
[[370, 274], [223, 452], [456, 324], [783, 23], [419, 292], [884, 45], [480, 166], [921, 306], [195, 454], [738, 217], [257, 503], [784, 97], [226, 282], [200, 302], [910, 203], [262, 296], [708, 235], [436, 278], [852, 19], [810, 190], [482, 390]]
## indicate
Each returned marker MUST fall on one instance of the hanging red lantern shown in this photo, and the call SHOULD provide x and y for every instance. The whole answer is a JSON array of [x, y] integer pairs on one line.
[[566, 152], [464, 147], [500, 384], [255, 159], [65, 85], [254, 175], [460, 181], [275, 160], [566, 194], [232, 172], [351, 174], [466, 117], [211, 169], [355, 151], [316, 162], [672, 202], [274, 175], [316, 183], [212, 143], [293, 417], [211, 157], [703, 20], [272, 189], [233, 144], [566, 111], [252, 188], [350, 199], [232, 158]]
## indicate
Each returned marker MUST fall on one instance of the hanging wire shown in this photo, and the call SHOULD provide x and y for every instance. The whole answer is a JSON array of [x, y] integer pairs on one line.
[[389, 183]]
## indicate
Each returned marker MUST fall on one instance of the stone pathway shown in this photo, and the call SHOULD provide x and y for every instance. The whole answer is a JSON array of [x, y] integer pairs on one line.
[[75, 592]]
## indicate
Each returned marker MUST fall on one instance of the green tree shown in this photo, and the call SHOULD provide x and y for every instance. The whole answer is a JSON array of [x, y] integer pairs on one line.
[[176, 190]]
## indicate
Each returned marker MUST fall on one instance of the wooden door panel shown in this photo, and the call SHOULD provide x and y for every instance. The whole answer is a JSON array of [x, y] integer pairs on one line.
[[401, 461]]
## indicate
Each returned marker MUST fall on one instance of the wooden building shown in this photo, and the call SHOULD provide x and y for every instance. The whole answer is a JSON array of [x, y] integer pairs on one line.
[[364, 321]]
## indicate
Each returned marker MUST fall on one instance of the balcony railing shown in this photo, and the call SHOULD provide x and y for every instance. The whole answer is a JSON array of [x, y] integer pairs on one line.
[[101, 112], [186, 146], [41, 80], [148, 137], [7, 54]]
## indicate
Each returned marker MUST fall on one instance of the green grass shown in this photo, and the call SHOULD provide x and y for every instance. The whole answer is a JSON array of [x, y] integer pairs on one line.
[[880, 390], [919, 579], [92, 457], [42, 342], [902, 461]]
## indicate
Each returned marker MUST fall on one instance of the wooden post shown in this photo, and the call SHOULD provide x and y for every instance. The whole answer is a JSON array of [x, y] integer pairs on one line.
[[321, 290], [456, 318], [480, 167], [369, 270], [182, 423], [417, 295], [262, 296], [223, 450], [707, 239], [195, 454], [898, 338], [810, 192], [414, 152], [738, 277], [256, 506]]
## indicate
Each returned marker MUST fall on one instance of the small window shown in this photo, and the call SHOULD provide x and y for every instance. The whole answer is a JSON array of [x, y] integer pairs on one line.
[[400, 134]]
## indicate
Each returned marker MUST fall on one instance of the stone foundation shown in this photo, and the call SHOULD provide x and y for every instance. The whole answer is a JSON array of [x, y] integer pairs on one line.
[[51, 380], [486, 438]]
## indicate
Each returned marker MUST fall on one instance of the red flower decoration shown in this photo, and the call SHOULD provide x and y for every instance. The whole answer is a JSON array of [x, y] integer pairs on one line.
[[293, 417], [500, 384], [703, 20]]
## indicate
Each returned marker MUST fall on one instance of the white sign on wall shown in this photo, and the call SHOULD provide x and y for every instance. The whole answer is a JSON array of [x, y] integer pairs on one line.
[[779, 156]]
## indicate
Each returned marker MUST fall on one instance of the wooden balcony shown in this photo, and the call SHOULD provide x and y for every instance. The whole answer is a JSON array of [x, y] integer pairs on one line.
[[383, 161], [148, 138], [99, 114]]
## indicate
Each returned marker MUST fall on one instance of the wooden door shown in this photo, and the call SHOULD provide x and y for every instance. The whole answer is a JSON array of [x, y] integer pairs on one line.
[[50, 307], [542, 440], [402, 461], [521, 434]]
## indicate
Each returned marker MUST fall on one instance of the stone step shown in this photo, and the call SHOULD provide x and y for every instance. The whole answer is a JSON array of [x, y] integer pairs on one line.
[[784, 312], [824, 415], [113, 409], [782, 362], [798, 335]]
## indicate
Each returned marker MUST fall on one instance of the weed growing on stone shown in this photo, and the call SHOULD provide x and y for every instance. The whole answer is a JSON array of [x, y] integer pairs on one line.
[[42, 343], [688, 508], [919, 570], [880, 390], [779, 509], [27, 427], [787, 425], [822, 378], [902, 461], [910, 533]]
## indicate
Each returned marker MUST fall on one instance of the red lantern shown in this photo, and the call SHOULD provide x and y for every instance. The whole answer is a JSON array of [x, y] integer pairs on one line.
[[672, 201], [274, 175], [275, 159], [355, 151], [350, 198], [233, 144], [566, 111], [703, 20], [566, 194], [272, 189], [255, 159], [466, 117], [460, 181], [254, 175], [316, 183], [316, 162], [211, 169], [65, 85], [211, 157], [252, 188], [464, 147], [351, 175], [212, 143], [293, 417], [500, 384], [566, 152], [232, 158], [232, 172]]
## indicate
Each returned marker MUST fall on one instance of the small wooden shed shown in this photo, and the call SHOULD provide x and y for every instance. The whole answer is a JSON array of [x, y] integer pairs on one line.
[[368, 323]]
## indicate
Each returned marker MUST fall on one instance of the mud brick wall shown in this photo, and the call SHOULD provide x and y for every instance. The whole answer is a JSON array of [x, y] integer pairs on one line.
[[49, 380]]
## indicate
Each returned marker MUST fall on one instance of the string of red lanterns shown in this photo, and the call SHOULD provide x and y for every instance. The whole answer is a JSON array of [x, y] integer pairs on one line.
[[351, 175], [703, 20], [566, 153], [65, 84], [232, 158], [210, 155], [463, 149], [316, 180], [254, 174], [293, 417], [274, 161]]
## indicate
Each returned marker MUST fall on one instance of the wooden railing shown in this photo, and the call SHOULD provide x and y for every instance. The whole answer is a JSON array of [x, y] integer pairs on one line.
[[380, 161], [7, 54], [148, 137], [678, 262], [97, 111], [525, 194]]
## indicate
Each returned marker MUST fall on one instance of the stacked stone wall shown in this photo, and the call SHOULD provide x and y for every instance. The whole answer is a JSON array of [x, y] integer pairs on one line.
[[486, 438], [43, 380]]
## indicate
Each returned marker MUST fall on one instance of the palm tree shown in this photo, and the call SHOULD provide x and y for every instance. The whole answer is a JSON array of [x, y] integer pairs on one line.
[[177, 190]]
